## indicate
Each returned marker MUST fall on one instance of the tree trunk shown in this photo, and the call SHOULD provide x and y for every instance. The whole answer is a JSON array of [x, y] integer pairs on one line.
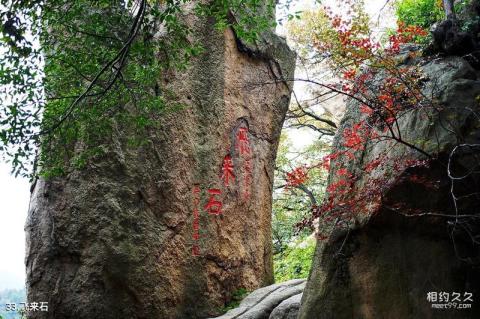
[[122, 238]]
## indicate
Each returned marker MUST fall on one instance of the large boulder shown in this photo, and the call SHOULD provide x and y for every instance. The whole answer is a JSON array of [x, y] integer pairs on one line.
[[287, 309], [279, 301], [172, 228], [405, 254]]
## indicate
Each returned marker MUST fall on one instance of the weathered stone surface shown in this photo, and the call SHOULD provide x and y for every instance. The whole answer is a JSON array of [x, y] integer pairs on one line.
[[263, 302], [288, 309], [115, 240], [385, 264]]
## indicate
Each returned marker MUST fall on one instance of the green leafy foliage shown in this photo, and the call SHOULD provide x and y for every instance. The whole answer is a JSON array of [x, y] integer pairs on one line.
[[72, 72], [295, 261], [247, 18], [237, 297], [293, 204], [292, 247], [423, 13]]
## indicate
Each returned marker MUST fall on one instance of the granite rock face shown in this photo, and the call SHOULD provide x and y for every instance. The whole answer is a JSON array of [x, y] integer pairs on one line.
[[387, 263], [122, 238]]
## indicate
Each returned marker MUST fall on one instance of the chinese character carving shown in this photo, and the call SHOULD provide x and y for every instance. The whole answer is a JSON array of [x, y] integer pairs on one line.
[[227, 170], [243, 144], [196, 250], [214, 207]]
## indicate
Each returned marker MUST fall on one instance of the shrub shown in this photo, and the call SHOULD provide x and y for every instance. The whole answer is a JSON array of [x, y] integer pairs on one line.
[[423, 13], [295, 262]]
